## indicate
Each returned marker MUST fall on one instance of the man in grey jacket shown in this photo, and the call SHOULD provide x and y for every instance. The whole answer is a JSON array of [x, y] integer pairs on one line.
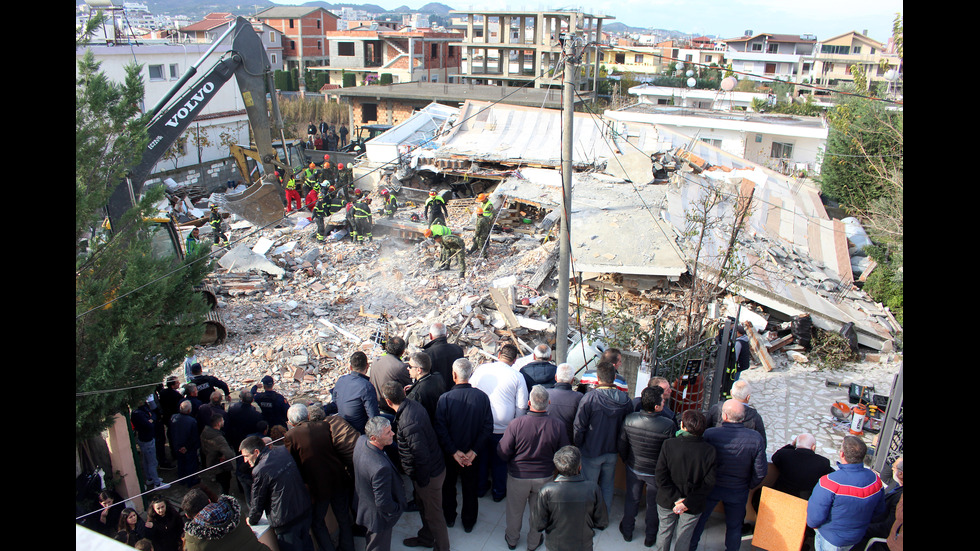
[[380, 492], [569, 508]]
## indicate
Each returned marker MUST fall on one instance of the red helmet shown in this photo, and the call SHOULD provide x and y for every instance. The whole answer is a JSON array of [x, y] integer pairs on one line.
[[384, 192], [333, 188], [357, 191], [340, 166], [326, 156]]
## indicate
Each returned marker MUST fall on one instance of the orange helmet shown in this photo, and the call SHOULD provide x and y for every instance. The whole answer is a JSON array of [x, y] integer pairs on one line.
[[427, 232], [482, 197], [312, 165], [340, 166], [326, 164]]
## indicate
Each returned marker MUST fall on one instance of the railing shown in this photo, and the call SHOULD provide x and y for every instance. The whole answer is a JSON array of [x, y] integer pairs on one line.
[[690, 372]]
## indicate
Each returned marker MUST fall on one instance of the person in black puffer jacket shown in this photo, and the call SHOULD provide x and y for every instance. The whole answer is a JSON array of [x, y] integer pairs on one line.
[[643, 434]]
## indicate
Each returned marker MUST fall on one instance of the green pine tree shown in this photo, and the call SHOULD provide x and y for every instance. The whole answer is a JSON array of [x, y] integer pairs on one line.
[[136, 312]]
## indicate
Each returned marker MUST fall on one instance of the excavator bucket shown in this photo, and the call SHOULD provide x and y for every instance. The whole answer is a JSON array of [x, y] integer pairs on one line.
[[260, 204]]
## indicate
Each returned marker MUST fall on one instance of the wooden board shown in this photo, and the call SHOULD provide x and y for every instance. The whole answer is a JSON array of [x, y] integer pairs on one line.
[[781, 522], [504, 308]]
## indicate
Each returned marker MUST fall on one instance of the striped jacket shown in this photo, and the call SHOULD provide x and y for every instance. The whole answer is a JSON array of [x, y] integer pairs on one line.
[[844, 502]]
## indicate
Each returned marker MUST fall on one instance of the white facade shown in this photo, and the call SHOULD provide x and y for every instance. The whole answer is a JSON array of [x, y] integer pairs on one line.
[[221, 122], [698, 99], [780, 142]]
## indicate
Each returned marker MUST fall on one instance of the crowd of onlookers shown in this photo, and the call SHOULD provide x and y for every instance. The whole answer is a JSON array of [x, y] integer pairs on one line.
[[514, 430]]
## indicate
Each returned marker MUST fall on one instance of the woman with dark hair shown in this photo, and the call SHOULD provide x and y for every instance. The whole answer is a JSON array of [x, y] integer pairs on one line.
[[131, 527], [685, 475], [112, 506], [164, 525]]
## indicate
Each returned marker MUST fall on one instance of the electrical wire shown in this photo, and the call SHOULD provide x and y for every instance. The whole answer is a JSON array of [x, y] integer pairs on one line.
[[137, 496]]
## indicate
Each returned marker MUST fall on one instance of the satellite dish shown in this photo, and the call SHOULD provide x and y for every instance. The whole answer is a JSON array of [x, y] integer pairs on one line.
[[728, 84], [690, 73], [891, 74], [691, 82]]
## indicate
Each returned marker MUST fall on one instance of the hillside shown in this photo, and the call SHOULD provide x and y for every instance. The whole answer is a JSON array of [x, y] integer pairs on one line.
[[196, 9]]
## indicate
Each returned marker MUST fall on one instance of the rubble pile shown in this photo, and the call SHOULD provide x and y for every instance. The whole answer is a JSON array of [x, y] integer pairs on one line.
[[296, 309]]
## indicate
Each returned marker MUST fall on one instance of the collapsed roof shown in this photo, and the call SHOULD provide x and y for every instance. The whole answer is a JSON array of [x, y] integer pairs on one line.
[[796, 256]]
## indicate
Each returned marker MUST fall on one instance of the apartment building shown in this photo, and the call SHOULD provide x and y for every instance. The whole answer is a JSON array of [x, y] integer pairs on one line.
[[304, 34], [209, 29], [517, 48], [836, 56], [407, 55], [768, 56]]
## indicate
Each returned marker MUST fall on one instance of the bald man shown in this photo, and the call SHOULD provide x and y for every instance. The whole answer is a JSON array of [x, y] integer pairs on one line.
[[800, 468], [741, 466]]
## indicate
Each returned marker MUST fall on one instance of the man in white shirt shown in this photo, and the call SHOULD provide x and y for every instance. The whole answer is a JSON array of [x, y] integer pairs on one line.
[[508, 400]]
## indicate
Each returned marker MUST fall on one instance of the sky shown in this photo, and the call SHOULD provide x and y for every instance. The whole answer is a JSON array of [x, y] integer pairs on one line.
[[720, 18]]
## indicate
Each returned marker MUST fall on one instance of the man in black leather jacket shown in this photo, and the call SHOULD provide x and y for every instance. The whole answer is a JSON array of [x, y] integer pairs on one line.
[[570, 507], [279, 491], [644, 432]]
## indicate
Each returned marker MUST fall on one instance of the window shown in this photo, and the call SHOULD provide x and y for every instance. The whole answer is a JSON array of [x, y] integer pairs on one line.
[[292, 44], [707, 59], [319, 45], [292, 23], [714, 142], [369, 113], [453, 51], [757, 47], [770, 68], [638, 58], [434, 51], [841, 50], [782, 150], [773, 49], [318, 23], [156, 72], [345, 49], [272, 37], [174, 71], [275, 59], [857, 49], [620, 58]]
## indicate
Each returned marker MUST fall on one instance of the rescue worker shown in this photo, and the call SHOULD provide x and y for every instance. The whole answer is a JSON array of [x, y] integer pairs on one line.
[[330, 171], [216, 231], [484, 219], [319, 212], [343, 177], [334, 201], [452, 247], [192, 244], [435, 209], [390, 203], [349, 215], [309, 177], [292, 194], [312, 196], [362, 219]]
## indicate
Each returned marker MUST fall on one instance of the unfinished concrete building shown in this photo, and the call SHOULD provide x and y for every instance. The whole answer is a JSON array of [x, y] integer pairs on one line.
[[516, 48]]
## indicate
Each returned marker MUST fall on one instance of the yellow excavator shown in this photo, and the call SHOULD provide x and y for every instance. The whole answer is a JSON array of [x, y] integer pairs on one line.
[[261, 203]]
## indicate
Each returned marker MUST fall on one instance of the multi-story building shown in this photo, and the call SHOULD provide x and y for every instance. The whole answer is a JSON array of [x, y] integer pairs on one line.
[[767, 56], [407, 55], [703, 53], [504, 47], [624, 58], [304, 34], [214, 25], [833, 60]]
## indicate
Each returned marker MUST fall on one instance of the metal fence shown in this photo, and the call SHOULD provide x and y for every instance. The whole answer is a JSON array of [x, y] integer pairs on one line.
[[890, 439]]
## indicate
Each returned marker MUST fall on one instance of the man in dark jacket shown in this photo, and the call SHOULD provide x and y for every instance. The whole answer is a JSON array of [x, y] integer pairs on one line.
[[313, 446], [145, 422], [569, 508], [464, 423], [206, 384], [442, 352], [278, 491], [422, 461], [598, 422], [741, 391], [540, 371], [428, 386], [528, 446], [685, 477], [380, 492], [390, 367], [186, 439], [563, 399], [640, 441], [354, 396], [742, 466], [800, 468]]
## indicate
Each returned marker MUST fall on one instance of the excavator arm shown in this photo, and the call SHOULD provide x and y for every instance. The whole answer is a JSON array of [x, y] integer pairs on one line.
[[261, 203]]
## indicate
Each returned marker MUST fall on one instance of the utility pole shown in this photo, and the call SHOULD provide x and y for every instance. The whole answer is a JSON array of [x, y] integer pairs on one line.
[[564, 249]]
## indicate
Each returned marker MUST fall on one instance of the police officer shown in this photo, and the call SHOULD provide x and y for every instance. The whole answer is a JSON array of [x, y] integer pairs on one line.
[[273, 405]]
